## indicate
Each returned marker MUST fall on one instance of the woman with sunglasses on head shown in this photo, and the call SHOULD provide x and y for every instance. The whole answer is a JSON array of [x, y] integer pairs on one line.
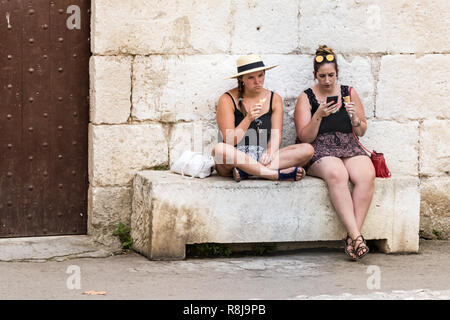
[[330, 128], [250, 120]]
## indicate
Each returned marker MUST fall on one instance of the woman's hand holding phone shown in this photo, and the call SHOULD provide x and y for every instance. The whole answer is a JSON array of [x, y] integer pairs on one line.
[[325, 109]]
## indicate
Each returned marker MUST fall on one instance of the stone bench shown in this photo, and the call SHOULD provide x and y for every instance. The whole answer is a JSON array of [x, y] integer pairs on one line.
[[170, 211]]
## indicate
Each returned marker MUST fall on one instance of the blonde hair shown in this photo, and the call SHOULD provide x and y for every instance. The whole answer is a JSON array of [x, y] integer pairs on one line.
[[323, 50]]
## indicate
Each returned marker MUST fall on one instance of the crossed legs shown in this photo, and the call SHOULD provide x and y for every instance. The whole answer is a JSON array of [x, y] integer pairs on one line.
[[227, 157]]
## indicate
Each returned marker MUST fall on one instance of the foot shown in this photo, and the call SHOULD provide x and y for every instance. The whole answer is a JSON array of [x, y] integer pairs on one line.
[[239, 175], [288, 174], [360, 246], [348, 248]]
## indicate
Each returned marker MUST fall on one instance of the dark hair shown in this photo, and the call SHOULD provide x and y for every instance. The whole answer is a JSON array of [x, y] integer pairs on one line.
[[323, 50], [241, 95]]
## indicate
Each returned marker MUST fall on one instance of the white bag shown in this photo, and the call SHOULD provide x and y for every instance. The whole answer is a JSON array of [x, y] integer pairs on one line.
[[194, 164]]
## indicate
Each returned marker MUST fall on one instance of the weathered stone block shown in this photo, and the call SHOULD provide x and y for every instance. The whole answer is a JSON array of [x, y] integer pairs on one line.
[[435, 148], [170, 211], [435, 208], [264, 27], [107, 208], [195, 136], [160, 27], [375, 26], [292, 75], [117, 152], [110, 92], [180, 88], [398, 141], [402, 94]]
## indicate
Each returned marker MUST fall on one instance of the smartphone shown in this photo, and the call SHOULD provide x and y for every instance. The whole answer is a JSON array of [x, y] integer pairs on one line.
[[332, 98]]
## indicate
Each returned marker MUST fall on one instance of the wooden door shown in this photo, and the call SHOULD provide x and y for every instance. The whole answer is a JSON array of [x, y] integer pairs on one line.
[[44, 114]]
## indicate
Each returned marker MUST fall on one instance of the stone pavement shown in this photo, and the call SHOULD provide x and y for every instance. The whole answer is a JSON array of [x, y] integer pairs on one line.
[[68, 267]]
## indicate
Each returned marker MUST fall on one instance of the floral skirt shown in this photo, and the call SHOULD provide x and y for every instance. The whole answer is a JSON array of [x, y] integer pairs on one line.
[[335, 144]]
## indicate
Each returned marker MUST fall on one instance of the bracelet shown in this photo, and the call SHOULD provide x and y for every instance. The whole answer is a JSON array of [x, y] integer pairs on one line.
[[359, 123]]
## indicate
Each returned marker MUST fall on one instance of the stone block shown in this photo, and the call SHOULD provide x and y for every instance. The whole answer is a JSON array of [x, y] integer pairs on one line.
[[264, 27], [160, 27], [195, 136], [398, 141], [292, 75], [110, 92], [435, 207], [180, 88], [117, 152], [107, 208], [402, 94], [435, 148], [170, 211], [354, 26]]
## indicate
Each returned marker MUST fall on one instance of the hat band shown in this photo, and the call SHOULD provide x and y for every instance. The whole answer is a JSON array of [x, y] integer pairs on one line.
[[250, 66]]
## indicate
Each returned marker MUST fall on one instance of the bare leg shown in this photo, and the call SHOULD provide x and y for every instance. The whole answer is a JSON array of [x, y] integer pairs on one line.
[[334, 172], [296, 155], [362, 175], [227, 157]]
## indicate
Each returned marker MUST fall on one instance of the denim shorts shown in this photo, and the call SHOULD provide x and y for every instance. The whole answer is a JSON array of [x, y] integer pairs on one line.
[[253, 151]]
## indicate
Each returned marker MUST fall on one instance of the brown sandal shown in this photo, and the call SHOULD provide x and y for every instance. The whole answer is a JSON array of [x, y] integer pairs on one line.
[[361, 246], [351, 253]]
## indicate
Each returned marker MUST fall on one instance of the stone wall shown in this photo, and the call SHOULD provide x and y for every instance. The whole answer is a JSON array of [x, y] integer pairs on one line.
[[158, 68]]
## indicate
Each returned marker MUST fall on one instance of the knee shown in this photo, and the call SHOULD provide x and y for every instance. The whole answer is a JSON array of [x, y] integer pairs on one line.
[[367, 178], [309, 150], [306, 151], [219, 149], [337, 176]]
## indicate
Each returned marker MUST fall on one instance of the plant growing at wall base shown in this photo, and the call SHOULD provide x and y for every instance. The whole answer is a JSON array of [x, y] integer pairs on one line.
[[438, 234], [124, 234], [161, 168], [208, 250]]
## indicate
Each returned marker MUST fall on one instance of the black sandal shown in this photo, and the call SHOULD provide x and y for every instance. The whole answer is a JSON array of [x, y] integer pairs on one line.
[[242, 175], [361, 246], [292, 174], [351, 253]]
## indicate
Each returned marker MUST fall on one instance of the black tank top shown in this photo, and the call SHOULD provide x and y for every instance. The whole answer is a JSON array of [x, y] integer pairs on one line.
[[339, 121], [257, 134]]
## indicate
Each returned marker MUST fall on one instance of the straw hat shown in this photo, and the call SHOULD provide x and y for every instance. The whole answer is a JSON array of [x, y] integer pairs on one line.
[[250, 63]]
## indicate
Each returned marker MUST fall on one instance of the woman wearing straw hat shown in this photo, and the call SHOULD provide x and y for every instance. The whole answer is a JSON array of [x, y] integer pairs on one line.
[[250, 120]]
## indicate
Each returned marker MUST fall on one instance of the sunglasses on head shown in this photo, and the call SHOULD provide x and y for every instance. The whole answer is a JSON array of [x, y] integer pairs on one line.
[[329, 58]]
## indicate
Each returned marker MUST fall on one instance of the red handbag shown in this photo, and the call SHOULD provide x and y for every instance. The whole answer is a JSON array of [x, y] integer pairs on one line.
[[378, 160]]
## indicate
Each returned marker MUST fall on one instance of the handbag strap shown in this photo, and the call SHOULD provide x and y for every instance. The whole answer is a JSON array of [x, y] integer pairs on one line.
[[353, 130], [357, 140]]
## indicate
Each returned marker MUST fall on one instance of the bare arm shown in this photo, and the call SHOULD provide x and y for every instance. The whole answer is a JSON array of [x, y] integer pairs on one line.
[[225, 121], [307, 126], [358, 117]]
